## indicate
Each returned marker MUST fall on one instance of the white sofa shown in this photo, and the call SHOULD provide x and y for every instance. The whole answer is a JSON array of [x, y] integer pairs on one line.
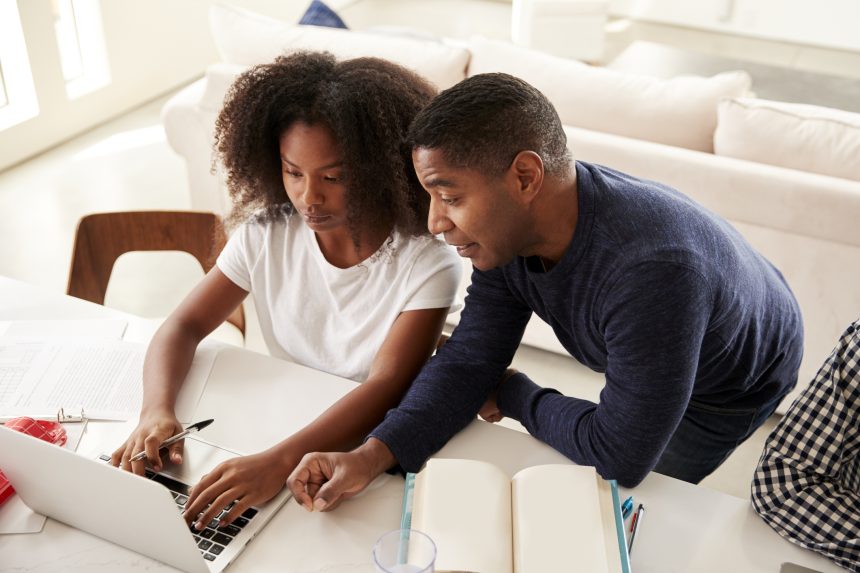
[[806, 221]]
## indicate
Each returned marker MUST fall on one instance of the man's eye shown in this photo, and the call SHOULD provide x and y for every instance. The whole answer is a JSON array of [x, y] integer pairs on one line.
[[448, 200]]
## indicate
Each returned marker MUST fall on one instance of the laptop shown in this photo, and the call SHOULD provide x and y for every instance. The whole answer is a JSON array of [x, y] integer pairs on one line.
[[794, 568], [139, 513]]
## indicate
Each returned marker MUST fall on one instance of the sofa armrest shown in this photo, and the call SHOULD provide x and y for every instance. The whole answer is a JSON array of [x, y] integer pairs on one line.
[[189, 120], [179, 115], [219, 78]]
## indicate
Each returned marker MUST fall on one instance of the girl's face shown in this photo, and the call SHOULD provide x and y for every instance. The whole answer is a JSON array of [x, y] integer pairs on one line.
[[312, 171]]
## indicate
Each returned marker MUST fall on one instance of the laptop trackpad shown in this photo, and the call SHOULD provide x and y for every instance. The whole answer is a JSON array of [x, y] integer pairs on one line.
[[198, 459]]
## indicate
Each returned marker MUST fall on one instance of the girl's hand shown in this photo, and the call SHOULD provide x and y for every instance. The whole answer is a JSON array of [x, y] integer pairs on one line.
[[150, 432], [243, 481]]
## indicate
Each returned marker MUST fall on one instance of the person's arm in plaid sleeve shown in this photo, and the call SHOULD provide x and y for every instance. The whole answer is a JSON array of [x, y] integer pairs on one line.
[[807, 484]]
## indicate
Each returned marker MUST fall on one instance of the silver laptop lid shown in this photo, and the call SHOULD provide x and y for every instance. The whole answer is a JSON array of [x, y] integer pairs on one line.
[[99, 499]]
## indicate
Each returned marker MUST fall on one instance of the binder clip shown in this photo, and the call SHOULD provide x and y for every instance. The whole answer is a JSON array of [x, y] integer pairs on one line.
[[63, 418]]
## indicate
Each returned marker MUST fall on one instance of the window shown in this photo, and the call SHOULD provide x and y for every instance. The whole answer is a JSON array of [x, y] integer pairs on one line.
[[80, 40], [17, 94], [4, 99], [66, 30]]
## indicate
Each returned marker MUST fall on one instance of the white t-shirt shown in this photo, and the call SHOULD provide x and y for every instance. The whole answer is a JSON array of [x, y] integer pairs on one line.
[[328, 318]]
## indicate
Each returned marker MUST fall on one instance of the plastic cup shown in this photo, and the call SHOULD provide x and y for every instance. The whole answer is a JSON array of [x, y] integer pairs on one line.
[[404, 551]]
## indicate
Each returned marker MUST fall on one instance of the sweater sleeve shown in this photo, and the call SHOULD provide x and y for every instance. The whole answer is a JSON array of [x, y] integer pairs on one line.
[[455, 383], [653, 338]]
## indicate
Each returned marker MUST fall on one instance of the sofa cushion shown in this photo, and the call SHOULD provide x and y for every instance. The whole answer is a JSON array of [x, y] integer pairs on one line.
[[319, 14], [248, 38], [680, 111], [799, 136]]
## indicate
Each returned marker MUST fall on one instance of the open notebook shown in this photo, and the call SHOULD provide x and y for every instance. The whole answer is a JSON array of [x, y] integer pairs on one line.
[[547, 518]]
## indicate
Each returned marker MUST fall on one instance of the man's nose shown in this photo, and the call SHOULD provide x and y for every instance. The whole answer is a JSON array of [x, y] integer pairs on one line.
[[437, 221]]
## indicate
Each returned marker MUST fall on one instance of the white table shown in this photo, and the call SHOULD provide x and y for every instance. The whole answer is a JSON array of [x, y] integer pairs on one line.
[[687, 528]]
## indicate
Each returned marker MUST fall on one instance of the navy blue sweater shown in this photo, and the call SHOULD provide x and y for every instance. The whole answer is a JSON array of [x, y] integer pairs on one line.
[[658, 293]]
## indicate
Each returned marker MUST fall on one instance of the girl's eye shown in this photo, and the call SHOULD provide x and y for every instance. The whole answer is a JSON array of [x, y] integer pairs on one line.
[[331, 179], [292, 173]]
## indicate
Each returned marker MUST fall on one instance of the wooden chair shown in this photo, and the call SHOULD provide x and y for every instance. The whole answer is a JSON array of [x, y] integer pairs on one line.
[[102, 237]]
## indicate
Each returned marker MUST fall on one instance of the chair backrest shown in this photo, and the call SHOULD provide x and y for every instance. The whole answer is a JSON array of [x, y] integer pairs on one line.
[[102, 237]]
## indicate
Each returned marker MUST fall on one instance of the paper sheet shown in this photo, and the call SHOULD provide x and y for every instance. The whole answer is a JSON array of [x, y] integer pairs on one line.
[[105, 328], [104, 378]]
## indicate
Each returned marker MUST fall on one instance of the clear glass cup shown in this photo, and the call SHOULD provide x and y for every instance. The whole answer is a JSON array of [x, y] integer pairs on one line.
[[404, 551]]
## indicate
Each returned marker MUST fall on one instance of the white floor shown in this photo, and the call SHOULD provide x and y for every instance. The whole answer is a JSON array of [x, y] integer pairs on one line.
[[126, 164]]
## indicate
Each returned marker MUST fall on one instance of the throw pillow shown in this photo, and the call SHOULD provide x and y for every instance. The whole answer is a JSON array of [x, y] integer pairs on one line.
[[247, 38], [799, 136], [680, 111], [319, 14]]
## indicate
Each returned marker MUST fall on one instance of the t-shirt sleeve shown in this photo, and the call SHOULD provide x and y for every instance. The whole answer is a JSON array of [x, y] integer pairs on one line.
[[434, 278], [241, 252]]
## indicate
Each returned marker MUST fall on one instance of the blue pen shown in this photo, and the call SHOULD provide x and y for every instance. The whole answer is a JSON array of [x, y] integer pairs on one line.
[[627, 507]]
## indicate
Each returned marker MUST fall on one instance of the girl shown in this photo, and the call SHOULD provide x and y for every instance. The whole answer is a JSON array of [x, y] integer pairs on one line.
[[334, 249]]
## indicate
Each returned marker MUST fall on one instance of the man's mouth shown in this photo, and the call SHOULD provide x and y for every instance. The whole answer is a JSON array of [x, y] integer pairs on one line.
[[466, 249]]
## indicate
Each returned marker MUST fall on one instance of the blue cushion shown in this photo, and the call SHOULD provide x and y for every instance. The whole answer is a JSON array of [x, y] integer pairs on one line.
[[319, 14]]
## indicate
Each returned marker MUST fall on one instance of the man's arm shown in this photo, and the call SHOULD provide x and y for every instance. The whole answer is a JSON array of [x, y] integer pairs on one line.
[[653, 322], [451, 388], [443, 399]]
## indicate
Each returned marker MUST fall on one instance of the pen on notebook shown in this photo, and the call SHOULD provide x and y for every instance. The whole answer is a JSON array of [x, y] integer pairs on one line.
[[627, 507], [634, 526], [173, 439]]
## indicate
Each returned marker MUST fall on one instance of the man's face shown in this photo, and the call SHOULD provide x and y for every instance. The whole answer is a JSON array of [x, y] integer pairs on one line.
[[478, 214]]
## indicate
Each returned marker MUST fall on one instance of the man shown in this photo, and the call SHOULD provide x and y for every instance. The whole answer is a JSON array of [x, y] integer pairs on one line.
[[698, 335]]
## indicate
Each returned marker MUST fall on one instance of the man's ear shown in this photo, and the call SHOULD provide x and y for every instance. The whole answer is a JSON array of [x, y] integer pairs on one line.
[[527, 170]]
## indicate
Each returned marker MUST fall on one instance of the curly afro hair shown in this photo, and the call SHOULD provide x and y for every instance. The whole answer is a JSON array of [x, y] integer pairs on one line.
[[367, 103]]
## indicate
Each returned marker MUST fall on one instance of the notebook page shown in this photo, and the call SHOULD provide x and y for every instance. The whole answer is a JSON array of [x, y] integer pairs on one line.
[[465, 508], [557, 520]]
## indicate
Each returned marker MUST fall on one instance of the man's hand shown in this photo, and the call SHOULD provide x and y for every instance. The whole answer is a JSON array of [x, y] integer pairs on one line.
[[489, 411], [322, 480]]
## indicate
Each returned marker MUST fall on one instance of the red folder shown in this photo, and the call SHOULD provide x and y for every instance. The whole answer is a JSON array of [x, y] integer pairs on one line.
[[49, 431]]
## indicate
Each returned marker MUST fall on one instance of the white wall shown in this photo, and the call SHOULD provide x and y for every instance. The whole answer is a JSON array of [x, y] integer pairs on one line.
[[153, 46], [827, 23]]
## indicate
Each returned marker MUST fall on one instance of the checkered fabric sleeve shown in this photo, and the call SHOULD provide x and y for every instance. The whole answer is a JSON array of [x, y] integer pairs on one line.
[[807, 484]]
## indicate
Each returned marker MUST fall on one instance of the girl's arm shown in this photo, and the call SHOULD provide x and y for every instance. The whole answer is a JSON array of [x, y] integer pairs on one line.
[[168, 359], [257, 478]]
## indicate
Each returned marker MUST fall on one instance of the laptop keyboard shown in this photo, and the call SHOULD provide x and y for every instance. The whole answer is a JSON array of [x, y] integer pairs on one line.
[[211, 540]]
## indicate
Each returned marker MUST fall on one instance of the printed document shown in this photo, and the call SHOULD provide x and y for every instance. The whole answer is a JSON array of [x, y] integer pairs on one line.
[[39, 375]]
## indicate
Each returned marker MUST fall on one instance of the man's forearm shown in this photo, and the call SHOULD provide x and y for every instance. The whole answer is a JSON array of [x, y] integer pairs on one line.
[[437, 406], [580, 430], [449, 391]]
